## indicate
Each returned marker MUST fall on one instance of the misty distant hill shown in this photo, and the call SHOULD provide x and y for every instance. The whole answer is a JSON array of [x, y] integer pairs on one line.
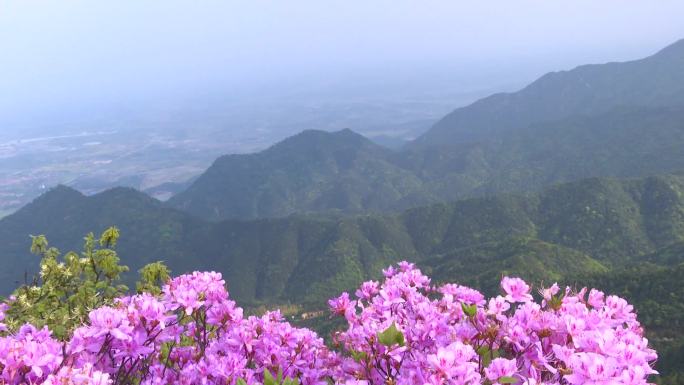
[[656, 81], [616, 119]]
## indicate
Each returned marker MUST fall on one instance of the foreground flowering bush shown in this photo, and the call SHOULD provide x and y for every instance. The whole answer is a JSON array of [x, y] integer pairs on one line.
[[403, 331], [406, 331]]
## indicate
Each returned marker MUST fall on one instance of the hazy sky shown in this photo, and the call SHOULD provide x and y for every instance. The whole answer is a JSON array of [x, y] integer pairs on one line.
[[71, 52]]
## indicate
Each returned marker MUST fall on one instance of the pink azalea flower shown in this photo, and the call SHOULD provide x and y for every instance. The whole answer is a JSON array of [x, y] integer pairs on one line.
[[107, 320], [500, 367], [516, 290]]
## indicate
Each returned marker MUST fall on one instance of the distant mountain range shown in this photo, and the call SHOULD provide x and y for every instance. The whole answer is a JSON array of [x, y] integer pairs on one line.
[[616, 119]]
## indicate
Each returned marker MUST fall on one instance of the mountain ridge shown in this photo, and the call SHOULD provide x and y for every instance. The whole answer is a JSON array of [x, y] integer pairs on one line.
[[309, 172], [584, 90], [564, 126]]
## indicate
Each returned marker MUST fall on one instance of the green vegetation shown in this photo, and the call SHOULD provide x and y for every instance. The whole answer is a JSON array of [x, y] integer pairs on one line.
[[68, 287], [570, 230]]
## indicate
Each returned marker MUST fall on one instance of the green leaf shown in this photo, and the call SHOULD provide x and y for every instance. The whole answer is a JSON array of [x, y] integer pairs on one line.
[[469, 310], [359, 356], [240, 381], [268, 378], [485, 355], [556, 302], [109, 237], [391, 336], [39, 244], [507, 380]]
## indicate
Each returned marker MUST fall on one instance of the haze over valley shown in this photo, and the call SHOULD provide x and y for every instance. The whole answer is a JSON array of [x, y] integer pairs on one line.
[[160, 148]]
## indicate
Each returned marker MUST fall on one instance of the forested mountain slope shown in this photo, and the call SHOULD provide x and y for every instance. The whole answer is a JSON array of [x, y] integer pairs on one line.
[[567, 230], [311, 171]]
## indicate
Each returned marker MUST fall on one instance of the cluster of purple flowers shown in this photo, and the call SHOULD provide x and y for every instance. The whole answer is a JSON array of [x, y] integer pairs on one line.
[[403, 331], [452, 335]]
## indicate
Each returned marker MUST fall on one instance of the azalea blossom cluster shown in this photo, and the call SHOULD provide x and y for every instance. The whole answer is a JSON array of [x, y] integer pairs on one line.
[[403, 331], [451, 334], [191, 334]]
